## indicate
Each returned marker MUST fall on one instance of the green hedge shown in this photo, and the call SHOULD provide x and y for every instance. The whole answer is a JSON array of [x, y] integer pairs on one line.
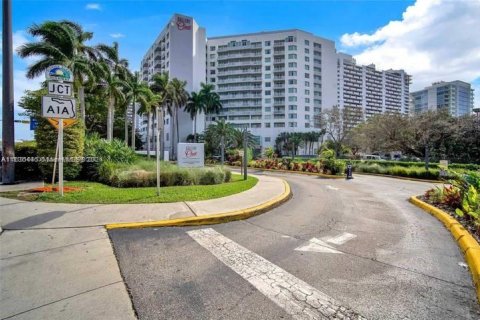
[[387, 163], [27, 170], [399, 171], [143, 174]]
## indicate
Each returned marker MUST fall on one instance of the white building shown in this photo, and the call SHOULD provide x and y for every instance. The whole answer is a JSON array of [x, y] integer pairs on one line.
[[271, 82], [455, 96], [373, 91], [179, 50]]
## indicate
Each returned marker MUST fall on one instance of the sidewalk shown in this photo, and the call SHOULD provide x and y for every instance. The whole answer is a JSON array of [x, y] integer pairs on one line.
[[56, 260]]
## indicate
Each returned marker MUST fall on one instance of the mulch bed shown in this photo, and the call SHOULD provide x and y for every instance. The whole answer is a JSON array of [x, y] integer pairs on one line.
[[54, 189]]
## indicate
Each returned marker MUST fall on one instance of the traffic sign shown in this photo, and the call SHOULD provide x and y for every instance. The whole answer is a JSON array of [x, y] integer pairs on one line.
[[33, 123], [66, 122], [59, 73], [60, 88], [58, 107]]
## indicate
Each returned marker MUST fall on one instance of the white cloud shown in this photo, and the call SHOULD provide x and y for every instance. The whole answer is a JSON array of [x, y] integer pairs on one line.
[[117, 35], [435, 40], [93, 6]]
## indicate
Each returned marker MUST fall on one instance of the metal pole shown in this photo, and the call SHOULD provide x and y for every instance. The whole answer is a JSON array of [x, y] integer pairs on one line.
[[157, 150], [60, 155], [55, 165], [8, 128], [245, 154]]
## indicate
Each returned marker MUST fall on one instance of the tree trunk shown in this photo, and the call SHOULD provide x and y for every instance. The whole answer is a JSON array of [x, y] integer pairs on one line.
[[161, 127], [222, 149], [134, 113], [126, 126], [427, 156], [149, 122], [110, 120], [177, 135], [81, 99], [195, 128]]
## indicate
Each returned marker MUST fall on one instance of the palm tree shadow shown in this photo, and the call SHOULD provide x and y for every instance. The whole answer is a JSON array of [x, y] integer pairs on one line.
[[35, 220]]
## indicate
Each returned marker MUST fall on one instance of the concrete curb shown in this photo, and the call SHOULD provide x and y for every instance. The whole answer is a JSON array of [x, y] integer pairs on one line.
[[398, 177], [321, 175], [216, 218], [467, 243]]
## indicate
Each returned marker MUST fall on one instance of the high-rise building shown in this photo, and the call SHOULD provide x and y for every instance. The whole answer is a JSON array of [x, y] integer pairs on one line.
[[179, 50], [371, 90], [271, 82], [455, 96]]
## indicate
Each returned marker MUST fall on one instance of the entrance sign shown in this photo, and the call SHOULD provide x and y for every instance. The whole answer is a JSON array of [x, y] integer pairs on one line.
[[66, 122], [60, 88], [59, 73], [58, 107], [191, 155]]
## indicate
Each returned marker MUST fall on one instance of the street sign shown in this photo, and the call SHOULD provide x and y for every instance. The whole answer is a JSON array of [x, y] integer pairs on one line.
[[60, 88], [66, 122], [33, 123], [59, 73], [58, 107]]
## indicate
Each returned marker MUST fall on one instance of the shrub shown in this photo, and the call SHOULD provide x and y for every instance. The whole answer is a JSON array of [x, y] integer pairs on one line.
[[269, 152], [28, 170], [228, 176], [329, 164]]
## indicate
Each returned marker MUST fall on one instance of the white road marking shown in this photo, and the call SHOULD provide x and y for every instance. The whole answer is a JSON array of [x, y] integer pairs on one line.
[[317, 245], [341, 239], [331, 188], [295, 296]]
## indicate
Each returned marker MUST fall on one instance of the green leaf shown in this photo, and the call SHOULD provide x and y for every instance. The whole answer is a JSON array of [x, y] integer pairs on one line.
[[459, 212]]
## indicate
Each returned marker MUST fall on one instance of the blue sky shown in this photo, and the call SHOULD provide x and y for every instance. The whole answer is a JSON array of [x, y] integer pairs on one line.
[[362, 28]]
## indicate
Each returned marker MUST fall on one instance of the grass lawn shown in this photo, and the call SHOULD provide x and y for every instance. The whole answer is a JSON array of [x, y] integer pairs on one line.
[[94, 192]]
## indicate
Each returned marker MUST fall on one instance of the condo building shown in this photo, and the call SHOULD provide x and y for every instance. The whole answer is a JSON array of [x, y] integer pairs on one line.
[[270, 82], [178, 50], [455, 96], [371, 90]]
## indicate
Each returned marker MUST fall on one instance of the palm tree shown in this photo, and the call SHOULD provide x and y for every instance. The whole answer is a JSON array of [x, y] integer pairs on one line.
[[62, 43], [179, 97], [112, 86], [224, 131], [211, 98], [194, 106], [146, 107], [138, 90], [161, 86], [111, 56]]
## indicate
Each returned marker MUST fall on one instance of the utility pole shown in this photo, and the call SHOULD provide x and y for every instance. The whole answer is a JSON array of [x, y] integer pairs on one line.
[[8, 129], [245, 153]]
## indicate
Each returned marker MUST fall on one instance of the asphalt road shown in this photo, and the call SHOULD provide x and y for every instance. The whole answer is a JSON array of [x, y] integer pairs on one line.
[[337, 248]]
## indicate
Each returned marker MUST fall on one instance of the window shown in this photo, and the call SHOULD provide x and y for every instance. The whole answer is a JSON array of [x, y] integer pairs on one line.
[[212, 80], [307, 117], [292, 47], [307, 100], [268, 100], [268, 76], [268, 92], [267, 116], [212, 64], [167, 137], [212, 48], [307, 67], [292, 107], [267, 124], [292, 116], [307, 51], [290, 39], [292, 81], [212, 71], [292, 64], [268, 59], [267, 68], [267, 139], [307, 109], [256, 125], [292, 73], [307, 92], [212, 56], [267, 51], [292, 90], [292, 124], [267, 43], [279, 124], [307, 84], [292, 99], [307, 125], [307, 43], [307, 75], [292, 56], [307, 59], [268, 84]]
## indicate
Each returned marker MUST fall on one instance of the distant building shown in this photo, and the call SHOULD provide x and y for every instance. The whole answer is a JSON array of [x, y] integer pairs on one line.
[[454, 96]]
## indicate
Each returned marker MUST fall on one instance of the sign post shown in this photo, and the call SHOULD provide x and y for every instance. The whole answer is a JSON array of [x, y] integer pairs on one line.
[[59, 106], [245, 153], [157, 149]]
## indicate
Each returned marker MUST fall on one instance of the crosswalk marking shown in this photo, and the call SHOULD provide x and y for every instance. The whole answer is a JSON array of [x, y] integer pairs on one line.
[[295, 296]]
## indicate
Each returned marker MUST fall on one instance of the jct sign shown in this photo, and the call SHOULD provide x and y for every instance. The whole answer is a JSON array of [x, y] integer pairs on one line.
[[191, 155]]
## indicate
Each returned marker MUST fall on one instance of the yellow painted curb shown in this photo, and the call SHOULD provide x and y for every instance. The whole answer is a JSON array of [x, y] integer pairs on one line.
[[211, 218], [322, 175], [397, 177], [466, 242]]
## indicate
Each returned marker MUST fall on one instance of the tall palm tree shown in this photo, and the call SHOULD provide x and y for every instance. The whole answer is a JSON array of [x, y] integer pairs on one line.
[[194, 106], [62, 43], [112, 86], [111, 55], [161, 86], [225, 132], [211, 98], [138, 90], [179, 97]]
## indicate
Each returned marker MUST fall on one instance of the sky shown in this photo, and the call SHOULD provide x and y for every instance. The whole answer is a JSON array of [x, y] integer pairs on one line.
[[432, 40]]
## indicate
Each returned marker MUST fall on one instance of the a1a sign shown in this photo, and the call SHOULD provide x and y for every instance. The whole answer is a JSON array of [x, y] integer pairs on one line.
[[58, 107], [60, 88]]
